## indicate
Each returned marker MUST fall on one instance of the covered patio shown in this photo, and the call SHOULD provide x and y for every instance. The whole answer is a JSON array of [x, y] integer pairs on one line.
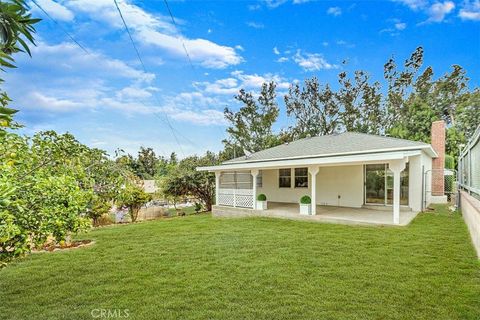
[[380, 215], [341, 178]]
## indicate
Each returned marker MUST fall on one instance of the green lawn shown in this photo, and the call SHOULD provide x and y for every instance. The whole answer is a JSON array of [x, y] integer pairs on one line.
[[198, 267]]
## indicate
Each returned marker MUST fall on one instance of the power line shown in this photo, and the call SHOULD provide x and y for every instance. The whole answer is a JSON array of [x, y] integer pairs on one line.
[[145, 69], [60, 27], [130, 36], [176, 26]]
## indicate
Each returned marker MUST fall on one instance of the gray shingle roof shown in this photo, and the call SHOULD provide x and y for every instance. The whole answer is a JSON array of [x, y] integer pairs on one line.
[[348, 142]]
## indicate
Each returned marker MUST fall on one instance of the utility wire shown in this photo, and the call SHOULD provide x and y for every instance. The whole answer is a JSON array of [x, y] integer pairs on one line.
[[145, 69], [60, 27], [156, 114], [176, 26], [130, 36]]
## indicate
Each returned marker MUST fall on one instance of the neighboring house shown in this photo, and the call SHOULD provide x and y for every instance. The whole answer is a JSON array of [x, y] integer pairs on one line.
[[344, 170]]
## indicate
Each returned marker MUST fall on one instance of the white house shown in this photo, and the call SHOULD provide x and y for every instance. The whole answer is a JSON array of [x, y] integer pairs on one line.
[[352, 170]]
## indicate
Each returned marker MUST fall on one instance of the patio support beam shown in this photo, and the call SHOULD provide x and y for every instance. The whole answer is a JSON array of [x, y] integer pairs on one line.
[[313, 173], [217, 186], [254, 173], [397, 167]]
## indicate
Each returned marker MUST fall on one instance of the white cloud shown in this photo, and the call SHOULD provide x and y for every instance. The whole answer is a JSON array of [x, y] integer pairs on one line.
[[276, 51], [156, 30], [345, 43], [397, 25], [312, 61], [282, 59], [470, 11], [207, 53], [274, 3], [239, 80], [194, 107], [414, 4], [54, 9], [66, 57], [134, 92], [334, 11], [400, 26], [42, 101], [255, 25], [439, 10]]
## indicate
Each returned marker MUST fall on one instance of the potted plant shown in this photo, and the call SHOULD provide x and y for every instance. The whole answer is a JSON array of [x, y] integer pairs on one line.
[[262, 202], [305, 205]]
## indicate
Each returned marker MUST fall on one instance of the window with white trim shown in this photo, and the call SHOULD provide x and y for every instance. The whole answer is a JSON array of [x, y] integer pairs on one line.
[[301, 177], [284, 178]]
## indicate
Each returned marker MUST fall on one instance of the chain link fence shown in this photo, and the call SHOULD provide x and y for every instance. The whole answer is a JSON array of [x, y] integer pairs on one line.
[[469, 166], [443, 183]]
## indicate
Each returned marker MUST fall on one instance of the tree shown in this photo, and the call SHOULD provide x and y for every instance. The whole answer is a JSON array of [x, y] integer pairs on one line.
[[16, 23], [360, 103], [400, 85], [185, 180], [133, 198], [251, 126], [468, 117], [314, 108], [146, 163]]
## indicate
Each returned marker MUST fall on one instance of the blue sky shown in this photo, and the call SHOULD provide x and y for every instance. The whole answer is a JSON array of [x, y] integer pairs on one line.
[[106, 100]]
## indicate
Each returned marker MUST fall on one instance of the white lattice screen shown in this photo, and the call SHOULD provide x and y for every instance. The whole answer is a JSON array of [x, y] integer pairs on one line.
[[236, 189]]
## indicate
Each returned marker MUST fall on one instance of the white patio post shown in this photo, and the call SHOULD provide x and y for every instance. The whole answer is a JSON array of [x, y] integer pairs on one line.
[[313, 173], [397, 166], [217, 186], [254, 173]]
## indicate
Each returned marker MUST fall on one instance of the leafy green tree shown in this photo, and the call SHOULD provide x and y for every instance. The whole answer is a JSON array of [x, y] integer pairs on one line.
[[251, 126], [314, 108], [185, 180], [133, 198], [16, 30], [360, 104], [468, 114], [400, 85], [146, 163]]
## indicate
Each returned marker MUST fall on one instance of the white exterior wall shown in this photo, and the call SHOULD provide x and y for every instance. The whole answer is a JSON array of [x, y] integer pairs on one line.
[[346, 181], [274, 193], [415, 183], [343, 181], [427, 166], [343, 185]]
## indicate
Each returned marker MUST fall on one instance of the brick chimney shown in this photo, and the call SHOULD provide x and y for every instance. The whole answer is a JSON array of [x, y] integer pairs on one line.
[[438, 164]]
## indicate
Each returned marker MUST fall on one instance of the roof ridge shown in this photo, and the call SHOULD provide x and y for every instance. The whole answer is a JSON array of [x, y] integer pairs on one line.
[[386, 137]]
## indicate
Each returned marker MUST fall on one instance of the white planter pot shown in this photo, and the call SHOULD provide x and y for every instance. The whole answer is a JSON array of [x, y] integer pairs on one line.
[[261, 205], [305, 209]]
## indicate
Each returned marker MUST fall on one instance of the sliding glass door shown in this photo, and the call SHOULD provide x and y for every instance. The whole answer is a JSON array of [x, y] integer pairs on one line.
[[379, 185]]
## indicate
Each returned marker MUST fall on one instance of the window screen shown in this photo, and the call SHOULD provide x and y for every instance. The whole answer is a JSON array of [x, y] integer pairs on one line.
[[301, 177], [285, 178]]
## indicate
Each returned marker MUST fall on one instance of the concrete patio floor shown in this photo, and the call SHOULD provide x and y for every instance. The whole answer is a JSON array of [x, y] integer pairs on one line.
[[330, 214]]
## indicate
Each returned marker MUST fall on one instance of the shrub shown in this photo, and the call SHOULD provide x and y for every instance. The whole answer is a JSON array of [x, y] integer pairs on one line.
[[449, 162], [198, 207], [262, 197], [305, 200], [132, 197]]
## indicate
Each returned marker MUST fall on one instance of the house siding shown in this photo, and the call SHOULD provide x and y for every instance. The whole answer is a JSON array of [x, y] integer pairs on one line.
[[346, 181], [340, 186]]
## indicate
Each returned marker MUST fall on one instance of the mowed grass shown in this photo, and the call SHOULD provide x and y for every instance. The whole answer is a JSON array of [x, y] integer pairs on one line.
[[199, 267]]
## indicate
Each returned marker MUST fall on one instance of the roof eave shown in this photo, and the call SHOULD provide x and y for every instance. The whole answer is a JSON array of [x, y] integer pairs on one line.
[[377, 157]]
